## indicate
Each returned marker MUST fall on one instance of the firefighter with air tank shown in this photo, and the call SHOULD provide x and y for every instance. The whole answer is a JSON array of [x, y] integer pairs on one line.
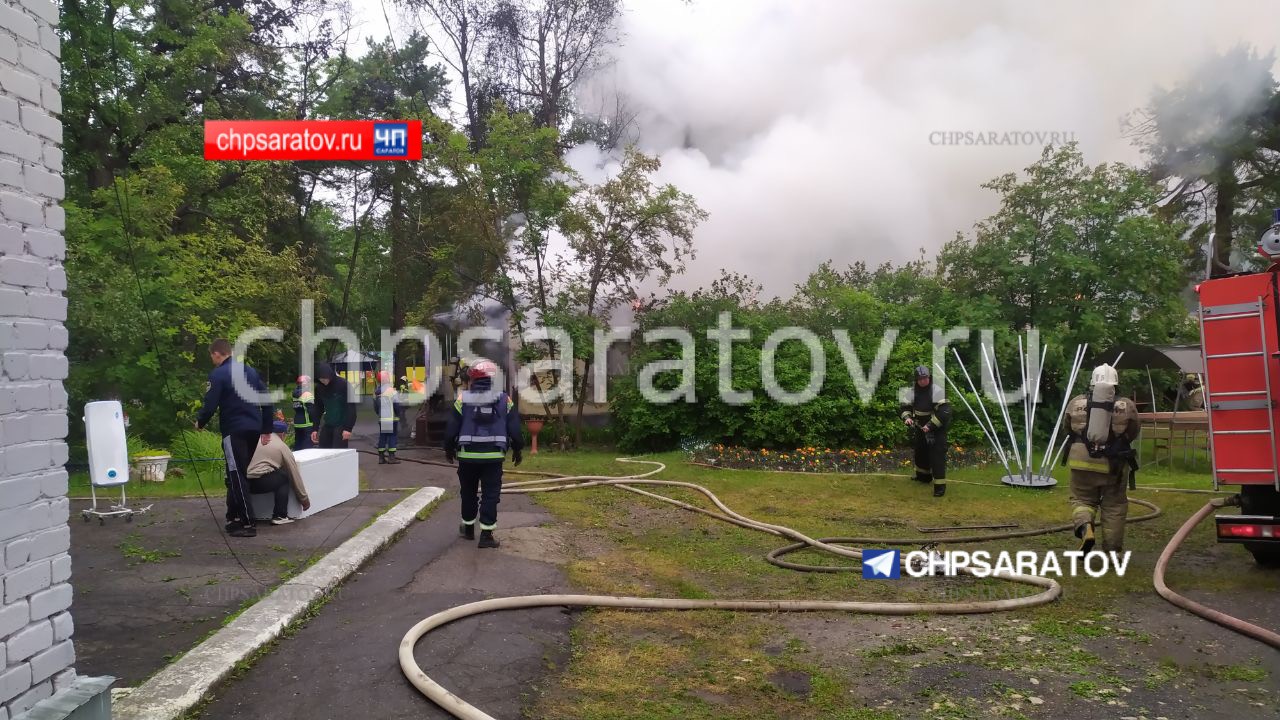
[[1100, 455]]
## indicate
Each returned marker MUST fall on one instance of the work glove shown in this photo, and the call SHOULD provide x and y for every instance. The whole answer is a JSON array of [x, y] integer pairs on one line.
[[517, 457]]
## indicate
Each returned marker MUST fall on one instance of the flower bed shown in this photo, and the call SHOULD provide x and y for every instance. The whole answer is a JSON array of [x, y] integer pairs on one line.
[[814, 459]]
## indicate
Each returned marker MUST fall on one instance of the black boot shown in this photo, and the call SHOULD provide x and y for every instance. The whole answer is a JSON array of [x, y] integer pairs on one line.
[[392, 459], [467, 530], [922, 478], [487, 540], [939, 489], [1087, 540], [382, 458]]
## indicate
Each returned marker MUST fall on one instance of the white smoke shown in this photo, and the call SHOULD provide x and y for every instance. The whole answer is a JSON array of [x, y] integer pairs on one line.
[[807, 128]]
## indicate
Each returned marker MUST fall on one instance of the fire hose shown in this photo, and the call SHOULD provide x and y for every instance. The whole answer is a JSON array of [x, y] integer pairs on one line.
[[1232, 623], [459, 708]]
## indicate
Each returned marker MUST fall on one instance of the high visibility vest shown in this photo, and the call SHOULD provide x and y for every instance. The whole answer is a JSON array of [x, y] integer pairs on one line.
[[300, 404], [482, 434], [387, 410]]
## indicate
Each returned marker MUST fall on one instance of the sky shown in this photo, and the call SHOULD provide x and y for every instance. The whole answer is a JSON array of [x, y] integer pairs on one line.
[[815, 130]]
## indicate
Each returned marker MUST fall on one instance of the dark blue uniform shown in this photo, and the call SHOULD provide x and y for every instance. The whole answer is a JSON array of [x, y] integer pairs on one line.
[[304, 412], [242, 423], [478, 435]]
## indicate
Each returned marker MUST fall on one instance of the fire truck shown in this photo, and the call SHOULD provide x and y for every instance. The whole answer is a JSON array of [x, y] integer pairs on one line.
[[1240, 341]]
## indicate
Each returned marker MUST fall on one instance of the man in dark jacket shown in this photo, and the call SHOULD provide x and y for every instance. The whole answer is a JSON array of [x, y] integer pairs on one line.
[[336, 412], [928, 414], [243, 423], [479, 433]]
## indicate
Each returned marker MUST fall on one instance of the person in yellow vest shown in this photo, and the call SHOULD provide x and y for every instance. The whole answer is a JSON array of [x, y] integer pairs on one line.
[[1101, 457], [388, 423], [403, 390], [304, 410]]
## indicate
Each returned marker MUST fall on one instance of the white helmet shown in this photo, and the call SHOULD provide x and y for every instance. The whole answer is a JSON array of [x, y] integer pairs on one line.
[[1104, 374]]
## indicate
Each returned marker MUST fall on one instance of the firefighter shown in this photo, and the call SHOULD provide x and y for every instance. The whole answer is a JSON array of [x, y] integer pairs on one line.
[[388, 422], [1100, 455], [928, 415], [403, 389], [483, 425], [304, 410], [1192, 391]]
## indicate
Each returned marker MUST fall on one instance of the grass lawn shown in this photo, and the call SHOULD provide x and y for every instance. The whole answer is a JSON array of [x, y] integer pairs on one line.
[[1101, 651]]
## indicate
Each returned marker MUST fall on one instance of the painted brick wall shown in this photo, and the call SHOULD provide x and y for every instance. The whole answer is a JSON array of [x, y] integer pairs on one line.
[[36, 653]]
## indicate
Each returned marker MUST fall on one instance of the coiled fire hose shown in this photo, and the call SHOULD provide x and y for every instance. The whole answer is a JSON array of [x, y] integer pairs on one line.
[[459, 708], [1233, 623]]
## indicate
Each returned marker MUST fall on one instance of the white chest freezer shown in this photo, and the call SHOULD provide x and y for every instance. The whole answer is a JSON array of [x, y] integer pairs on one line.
[[331, 477]]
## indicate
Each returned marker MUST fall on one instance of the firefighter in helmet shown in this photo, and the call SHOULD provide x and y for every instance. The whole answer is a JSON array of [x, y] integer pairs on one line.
[[1101, 457], [928, 415], [304, 412], [386, 401], [484, 424]]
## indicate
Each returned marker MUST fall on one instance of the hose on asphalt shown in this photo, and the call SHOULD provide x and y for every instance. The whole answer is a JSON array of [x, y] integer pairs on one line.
[[1049, 590], [1233, 623]]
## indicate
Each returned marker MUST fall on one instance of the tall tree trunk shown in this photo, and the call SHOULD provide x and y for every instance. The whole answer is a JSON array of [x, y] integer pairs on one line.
[[1223, 214], [396, 226], [355, 253]]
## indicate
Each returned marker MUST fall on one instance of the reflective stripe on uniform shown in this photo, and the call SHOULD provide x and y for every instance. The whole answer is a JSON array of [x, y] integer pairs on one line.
[[489, 527], [1098, 465], [482, 438], [472, 455]]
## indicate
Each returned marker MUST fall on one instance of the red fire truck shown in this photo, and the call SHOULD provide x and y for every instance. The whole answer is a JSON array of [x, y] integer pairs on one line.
[[1240, 340]]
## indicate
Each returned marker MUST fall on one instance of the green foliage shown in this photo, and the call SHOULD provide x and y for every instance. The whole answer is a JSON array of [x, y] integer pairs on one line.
[[1054, 256], [195, 445], [1047, 259], [195, 287], [836, 417]]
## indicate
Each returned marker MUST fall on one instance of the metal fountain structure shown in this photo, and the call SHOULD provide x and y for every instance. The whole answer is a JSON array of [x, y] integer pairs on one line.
[[1018, 458]]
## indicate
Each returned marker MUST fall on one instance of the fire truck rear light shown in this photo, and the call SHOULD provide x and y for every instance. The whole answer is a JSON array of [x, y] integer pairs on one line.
[[1249, 530]]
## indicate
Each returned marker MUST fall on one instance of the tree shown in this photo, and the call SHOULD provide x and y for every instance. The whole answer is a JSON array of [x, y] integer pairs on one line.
[[1215, 139], [1076, 252], [543, 47], [524, 55], [620, 233], [463, 24], [135, 72], [388, 81], [189, 288]]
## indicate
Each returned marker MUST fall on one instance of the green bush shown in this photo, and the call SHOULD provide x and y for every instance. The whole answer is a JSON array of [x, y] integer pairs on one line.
[[836, 417], [199, 452], [190, 445]]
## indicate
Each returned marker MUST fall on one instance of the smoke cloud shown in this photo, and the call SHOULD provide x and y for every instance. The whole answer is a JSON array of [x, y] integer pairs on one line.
[[821, 129]]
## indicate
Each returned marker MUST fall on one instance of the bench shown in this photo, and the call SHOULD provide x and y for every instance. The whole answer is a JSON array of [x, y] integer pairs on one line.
[[331, 477]]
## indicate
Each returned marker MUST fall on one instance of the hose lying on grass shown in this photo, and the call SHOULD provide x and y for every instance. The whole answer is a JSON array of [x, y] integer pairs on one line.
[[1049, 589], [1233, 623]]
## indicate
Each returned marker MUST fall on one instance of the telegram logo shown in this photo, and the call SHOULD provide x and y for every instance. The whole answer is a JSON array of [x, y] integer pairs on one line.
[[880, 564]]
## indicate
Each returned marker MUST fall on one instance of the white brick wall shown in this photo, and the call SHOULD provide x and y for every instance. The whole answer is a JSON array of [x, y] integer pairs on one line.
[[36, 627]]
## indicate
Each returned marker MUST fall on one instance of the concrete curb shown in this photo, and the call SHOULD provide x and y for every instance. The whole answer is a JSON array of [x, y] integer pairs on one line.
[[182, 685]]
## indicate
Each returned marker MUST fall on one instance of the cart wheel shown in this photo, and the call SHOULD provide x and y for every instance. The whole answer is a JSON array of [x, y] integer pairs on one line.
[[102, 521], [85, 516], [128, 518]]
